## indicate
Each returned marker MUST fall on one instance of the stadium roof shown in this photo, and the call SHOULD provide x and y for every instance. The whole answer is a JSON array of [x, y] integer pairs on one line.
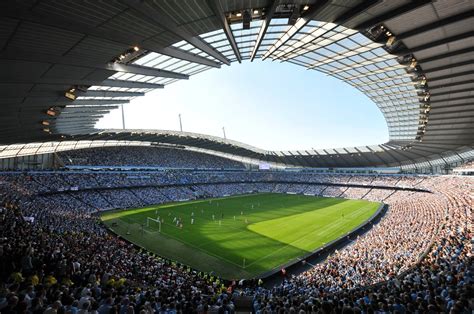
[[413, 59]]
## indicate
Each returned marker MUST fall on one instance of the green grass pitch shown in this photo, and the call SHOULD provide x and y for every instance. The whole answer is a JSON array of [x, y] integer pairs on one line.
[[241, 236]]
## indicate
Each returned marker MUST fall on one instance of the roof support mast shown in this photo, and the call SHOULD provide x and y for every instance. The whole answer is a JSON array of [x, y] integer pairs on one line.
[[148, 12], [263, 29], [302, 21], [216, 7]]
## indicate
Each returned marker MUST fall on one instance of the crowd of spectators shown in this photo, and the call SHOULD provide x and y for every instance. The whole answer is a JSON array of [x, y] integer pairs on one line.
[[385, 271], [44, 182], [333, 191], [58, 268], [146, 156], [378, 194], [355, 193], [57, 258]]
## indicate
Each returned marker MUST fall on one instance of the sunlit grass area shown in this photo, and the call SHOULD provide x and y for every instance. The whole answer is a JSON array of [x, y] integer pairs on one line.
[[240, 236]]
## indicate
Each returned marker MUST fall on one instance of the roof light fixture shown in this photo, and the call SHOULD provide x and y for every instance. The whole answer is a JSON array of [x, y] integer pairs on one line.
[[390, 41], [51, 112], [69, 94]]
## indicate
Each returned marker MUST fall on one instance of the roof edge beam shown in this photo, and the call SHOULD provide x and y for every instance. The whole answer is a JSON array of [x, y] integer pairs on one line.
[[88, 102], [353, 12], [440, 23], [129, 84], [167, 23], [451, 84], [216, 7], [64, 81], [344, 17], [392, 14], [448, 66], [441, 42], [446, 55], [302, 21], [78, 93], [263, 29], [186, 56], [437, 78], [450, 92], [452, 99], [106, 93], [16, 54], [138, 69], [88, 30], [74, 111]]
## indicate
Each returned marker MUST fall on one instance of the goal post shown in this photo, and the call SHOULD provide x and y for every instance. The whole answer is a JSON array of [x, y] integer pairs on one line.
[[158, 221]]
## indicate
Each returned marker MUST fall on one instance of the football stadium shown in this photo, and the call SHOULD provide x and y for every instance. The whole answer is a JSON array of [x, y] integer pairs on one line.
[[147, 219]]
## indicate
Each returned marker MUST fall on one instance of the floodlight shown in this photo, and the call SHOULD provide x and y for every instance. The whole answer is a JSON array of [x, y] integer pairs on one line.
[[70, 95], [390, 40], [51, 112]]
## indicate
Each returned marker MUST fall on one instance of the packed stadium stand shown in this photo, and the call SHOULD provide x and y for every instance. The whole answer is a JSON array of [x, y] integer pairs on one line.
[[423, 241], [66, 64], [146, 156]]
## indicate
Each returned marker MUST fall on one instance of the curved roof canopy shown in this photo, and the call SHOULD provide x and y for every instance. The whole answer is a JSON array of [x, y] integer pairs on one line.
[[65, 64]]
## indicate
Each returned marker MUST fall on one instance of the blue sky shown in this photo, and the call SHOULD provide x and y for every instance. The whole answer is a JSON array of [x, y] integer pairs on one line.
[[270, 105]]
